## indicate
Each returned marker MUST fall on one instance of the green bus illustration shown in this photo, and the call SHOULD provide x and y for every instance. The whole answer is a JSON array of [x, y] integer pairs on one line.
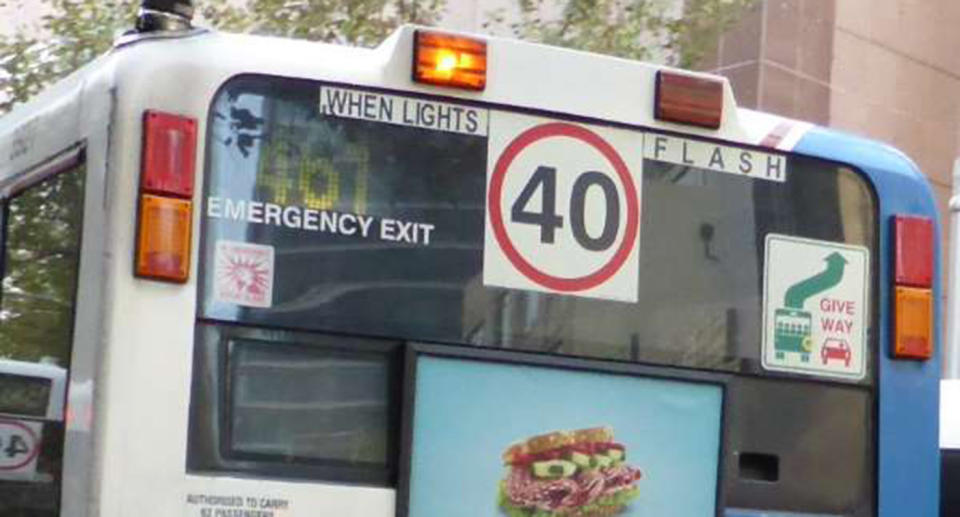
[[793, 332]]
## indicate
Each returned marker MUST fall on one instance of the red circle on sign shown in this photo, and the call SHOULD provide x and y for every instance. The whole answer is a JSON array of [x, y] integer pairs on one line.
[[528, 270], [34, 449]]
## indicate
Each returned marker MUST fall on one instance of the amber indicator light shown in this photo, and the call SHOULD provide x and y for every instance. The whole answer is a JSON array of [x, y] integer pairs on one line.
[[448, 60], [169, 149], [163, 238], [913, 323], [687, 99]]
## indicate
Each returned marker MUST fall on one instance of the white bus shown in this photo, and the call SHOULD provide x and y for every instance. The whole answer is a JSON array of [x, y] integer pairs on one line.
[[453, 275]]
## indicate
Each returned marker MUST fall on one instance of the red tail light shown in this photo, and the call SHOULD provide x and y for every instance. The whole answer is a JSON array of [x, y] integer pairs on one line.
[[166, 189], [913, 251], [169, 147], [912, 290]]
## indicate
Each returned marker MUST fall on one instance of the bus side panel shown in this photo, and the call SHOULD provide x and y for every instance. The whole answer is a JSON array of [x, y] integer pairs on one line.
[[82, 448], [72, 118], [908, 453]]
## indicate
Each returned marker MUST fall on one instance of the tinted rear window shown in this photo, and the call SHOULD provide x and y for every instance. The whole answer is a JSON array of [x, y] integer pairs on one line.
[[294, 188]]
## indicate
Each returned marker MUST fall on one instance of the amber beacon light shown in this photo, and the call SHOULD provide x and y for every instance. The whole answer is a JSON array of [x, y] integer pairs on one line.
[[687, 99], [166, 188], [448, 60]]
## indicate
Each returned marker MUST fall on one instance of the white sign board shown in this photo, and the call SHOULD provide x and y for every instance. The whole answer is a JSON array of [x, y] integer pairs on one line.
[[563, 207], [815, 307], [235, 505], [402, 111], [19, 448], [715, 157]]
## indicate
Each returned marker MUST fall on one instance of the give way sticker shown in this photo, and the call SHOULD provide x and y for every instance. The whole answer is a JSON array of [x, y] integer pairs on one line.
[[563, 207]]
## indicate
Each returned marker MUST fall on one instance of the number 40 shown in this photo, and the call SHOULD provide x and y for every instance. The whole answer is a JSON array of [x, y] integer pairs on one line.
[[549, 221]]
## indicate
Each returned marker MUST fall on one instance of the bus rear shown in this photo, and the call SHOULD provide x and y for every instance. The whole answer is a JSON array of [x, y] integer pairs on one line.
[[472, 276]]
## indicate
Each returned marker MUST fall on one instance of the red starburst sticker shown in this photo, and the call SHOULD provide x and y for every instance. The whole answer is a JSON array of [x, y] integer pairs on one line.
[[243, 274]]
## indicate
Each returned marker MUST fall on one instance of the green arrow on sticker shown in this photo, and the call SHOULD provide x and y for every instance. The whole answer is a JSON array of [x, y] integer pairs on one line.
[[798, 293]]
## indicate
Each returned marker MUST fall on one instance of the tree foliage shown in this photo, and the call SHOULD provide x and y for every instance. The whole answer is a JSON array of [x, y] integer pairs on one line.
[[41, 254], [696, 34], [76, 31], [73, 32], [349, 22], [675, 32]]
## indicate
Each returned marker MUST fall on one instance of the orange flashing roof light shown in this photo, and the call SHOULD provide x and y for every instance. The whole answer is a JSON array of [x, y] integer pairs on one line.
[[688, 99], [163, 241], [447, 60]]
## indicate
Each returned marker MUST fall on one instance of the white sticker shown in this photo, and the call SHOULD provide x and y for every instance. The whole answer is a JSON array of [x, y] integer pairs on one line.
[[402, 111], [815, 307], [235, 505], [243, 274], [715, 157], [563, 207], [19, 448]]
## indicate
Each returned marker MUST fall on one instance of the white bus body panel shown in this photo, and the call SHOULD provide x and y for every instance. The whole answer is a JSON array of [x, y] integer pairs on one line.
[[67, 122], [138, 335], [950, 414]]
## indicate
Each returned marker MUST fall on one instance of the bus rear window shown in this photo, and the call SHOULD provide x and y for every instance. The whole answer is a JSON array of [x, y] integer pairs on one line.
[[301, 404], [22, 395], [294, 405], [373, 224]]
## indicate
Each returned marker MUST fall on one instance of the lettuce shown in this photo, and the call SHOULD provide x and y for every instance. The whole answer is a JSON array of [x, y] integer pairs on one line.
[[621, 498]]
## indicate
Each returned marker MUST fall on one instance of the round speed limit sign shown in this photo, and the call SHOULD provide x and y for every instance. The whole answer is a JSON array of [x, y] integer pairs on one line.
[[19, 448], [563, 207]]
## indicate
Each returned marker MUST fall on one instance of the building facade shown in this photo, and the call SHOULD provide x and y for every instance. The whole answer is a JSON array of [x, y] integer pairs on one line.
[[886, 69]]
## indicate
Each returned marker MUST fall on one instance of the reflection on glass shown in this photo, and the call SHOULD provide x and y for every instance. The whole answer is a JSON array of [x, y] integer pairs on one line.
[[21, 395], [308, 404], [294, 405], [41, 256], [41, 253]]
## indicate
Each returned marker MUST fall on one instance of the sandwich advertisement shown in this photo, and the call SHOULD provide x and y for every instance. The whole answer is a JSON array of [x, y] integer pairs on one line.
[[491, 439], [582, 472]]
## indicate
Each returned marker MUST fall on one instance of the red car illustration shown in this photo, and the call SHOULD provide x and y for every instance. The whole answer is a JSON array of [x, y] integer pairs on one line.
[[835, 349]]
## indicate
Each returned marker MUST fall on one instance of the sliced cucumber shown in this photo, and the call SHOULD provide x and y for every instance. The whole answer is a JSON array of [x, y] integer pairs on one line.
[[553, 469], [580, 459], [602, 460], [616, 454]]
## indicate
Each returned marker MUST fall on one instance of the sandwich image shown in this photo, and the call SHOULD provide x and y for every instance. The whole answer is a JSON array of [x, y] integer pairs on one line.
[[568, 474]]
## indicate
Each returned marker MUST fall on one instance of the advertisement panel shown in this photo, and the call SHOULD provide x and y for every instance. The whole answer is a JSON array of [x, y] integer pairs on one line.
[[520, 440]]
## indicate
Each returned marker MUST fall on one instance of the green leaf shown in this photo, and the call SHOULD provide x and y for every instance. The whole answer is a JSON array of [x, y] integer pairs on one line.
[[77, 31]]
